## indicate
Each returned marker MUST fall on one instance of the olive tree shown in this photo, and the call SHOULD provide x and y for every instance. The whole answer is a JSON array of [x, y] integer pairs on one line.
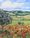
[[4, 19]]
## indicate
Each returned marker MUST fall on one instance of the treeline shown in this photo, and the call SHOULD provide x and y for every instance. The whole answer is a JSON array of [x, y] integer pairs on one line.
[[17, 13], [21, 13]]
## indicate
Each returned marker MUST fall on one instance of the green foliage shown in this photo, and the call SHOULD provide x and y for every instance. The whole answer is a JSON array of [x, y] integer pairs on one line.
[[7, 32], [1, 31], [21, 23], [5, 18]]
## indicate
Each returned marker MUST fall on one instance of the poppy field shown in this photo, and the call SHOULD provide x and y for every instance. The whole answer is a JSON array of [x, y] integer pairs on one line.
[[15, 31]]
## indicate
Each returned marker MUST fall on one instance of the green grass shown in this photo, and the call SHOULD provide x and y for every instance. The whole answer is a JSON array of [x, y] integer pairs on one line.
[[15, 21]]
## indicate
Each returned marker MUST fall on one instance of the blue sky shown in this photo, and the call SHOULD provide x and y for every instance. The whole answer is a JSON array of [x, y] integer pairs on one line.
[[15, 4]]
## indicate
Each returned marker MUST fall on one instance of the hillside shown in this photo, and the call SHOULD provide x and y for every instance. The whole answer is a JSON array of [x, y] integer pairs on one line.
[[17, 13]]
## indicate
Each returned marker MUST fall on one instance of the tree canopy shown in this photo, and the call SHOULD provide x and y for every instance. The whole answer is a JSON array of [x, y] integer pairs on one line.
[[4, 18]]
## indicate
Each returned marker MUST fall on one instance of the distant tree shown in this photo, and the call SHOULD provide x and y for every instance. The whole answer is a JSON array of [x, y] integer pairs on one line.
[[19, 23], [20, 11], [4, 19]]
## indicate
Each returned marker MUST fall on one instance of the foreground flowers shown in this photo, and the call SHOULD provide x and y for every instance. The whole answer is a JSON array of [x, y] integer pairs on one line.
[[17, 30]]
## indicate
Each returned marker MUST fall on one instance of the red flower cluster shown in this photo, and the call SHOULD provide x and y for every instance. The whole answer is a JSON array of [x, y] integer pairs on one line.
[[19, 30]]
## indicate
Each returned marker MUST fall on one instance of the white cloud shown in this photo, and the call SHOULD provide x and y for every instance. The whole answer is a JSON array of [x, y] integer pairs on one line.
[[27, 7], [24, 0], [1, 0], [9, 4]]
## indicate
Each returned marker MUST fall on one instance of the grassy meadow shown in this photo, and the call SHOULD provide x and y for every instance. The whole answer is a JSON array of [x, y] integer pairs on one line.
[[23, 19]]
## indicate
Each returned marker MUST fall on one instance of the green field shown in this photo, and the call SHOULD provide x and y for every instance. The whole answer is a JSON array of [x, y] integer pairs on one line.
[[20, 19]]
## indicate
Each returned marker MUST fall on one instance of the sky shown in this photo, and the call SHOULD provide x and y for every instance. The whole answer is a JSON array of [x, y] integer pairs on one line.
[[15, 4]]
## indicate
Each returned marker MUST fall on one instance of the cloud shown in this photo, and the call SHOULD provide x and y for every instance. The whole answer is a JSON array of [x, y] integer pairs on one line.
[[1, 0], [9, 5]]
